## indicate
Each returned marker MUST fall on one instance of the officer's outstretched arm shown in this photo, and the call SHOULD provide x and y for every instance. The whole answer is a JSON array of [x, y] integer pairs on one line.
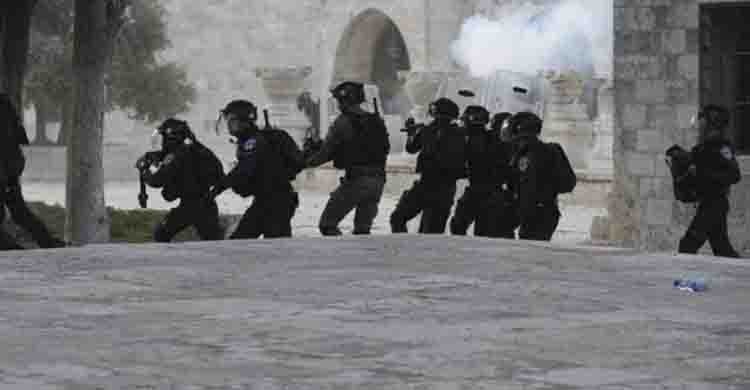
[[333, 139]]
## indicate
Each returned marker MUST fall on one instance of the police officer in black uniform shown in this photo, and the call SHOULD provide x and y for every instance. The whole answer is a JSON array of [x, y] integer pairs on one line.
[[259, 172], [442, 160], [716, 170], [175, 169], [357, 142], [482, 192], [504, 207], [12, 163], [534, 165]]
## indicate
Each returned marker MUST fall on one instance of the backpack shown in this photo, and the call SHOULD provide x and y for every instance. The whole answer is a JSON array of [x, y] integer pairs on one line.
[[368, 146], [210, 169], [565, 176], [685, 185], [284, 145]]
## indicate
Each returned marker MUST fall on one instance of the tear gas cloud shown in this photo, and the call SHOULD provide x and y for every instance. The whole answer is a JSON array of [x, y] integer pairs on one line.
[[526, 39]]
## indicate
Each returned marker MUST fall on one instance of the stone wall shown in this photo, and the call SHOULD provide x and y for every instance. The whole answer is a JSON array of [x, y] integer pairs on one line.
[[656, 83]]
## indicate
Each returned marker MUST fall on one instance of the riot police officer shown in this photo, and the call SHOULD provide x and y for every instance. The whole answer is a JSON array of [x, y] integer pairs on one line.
[[260, 172], [715, 169], [12, 163], [184, 169], [357, 142], [441, 146], [504, 206], [534, 166], [483, 190]]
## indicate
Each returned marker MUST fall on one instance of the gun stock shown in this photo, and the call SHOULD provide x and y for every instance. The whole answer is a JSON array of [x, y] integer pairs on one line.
[[265, 117]]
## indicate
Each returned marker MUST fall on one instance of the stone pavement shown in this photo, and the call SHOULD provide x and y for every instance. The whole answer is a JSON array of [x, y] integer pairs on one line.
[[381, 312]]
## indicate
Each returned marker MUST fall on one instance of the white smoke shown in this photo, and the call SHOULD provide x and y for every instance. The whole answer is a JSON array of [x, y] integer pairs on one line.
[[567, 35]]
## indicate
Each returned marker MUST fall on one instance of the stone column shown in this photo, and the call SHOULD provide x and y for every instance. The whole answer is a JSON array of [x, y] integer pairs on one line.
[[565, 119], [283, 85], [601, 163]]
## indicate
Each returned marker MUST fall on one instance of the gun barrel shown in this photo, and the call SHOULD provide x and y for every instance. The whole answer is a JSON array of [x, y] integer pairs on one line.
[[265, 117]]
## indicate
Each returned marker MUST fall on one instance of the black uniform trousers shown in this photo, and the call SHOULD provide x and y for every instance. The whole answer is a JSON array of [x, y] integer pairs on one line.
[[201, 214], [491, 211], [360, 193], [433, 199], [709, 224], [541, 224], [12, 198], [270, 215]]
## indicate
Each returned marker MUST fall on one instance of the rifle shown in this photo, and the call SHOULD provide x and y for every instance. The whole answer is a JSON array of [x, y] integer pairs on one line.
[[142, 196], [142, 164], [265, 117], [375, 105], [411, 126]]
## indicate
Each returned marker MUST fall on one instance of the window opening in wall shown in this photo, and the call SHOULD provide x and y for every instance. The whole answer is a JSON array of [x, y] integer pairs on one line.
[[725, 64]]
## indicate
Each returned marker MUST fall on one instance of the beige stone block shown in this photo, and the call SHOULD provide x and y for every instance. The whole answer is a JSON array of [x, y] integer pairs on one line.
[[651, 91], [639, 19], [659, 212], [650, 141], [674, 41], [634, 116], [640, 164], [647, 187], [687, 65]]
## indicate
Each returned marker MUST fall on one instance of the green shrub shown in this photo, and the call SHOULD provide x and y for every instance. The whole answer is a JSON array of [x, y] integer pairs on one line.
[[131, 226]]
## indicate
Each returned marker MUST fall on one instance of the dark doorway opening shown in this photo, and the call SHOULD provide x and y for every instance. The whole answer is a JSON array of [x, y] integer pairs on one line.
[[725, 65]]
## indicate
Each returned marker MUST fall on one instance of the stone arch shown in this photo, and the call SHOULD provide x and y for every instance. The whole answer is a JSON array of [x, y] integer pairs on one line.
[[372, 50]]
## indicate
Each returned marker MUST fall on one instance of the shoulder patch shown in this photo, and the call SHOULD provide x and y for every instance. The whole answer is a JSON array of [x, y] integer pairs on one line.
[[249, 145], [727, 153], [523, 164]]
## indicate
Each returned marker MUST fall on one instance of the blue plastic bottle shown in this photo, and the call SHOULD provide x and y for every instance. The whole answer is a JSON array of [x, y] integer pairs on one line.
[[692, 285]]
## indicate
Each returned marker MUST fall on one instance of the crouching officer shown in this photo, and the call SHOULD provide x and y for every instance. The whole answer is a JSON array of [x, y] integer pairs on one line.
[[534, 166], [504, 206], [184, 169], [357, 142], [715, 169], [442, 160], [12, 164], [474, 204], [259, 172]]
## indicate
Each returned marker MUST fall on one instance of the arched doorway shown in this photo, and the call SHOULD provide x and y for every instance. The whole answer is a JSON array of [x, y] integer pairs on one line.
[[372, 50]]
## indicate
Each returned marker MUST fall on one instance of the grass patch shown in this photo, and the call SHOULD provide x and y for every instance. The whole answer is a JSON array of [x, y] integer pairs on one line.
[[126, 226]]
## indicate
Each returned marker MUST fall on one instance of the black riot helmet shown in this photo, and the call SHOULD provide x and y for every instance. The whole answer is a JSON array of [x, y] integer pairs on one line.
[[524, 124], [444, 108], [476, 116], [174, 132], [349, 93], [498, 120], [241, 110]]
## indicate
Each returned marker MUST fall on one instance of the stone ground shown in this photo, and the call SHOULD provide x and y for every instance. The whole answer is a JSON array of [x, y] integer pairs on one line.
[[574, 226], [380, 312]]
